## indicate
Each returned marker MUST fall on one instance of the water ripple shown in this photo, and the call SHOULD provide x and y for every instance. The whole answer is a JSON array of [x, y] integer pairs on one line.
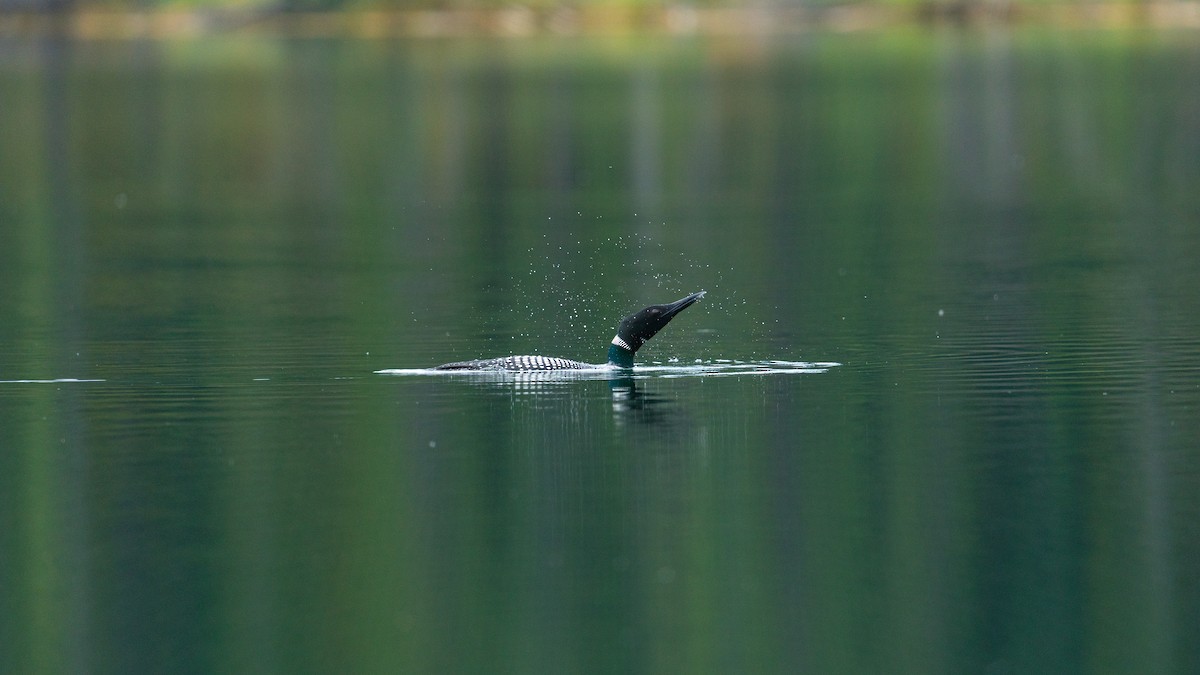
[[711, 368], [60, 380]]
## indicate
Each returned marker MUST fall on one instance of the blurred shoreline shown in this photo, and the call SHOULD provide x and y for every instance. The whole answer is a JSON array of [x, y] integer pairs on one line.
[[522, 21]]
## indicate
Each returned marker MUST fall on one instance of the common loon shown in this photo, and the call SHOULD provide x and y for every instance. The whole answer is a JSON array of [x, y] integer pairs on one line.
[[633, 332]]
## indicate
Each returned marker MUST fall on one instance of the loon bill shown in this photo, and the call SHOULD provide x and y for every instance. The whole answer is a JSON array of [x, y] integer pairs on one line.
[[633, 332]]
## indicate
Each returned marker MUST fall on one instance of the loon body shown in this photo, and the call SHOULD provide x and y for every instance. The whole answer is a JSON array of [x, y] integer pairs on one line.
[[519, 364], [633, 332]]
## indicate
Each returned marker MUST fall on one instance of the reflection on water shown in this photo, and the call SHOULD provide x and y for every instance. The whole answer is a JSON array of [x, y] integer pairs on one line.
[[631, 403], [211, 250], [637, 407]]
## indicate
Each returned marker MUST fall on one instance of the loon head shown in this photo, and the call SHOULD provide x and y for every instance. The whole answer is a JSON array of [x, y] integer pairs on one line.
[[637, 328]]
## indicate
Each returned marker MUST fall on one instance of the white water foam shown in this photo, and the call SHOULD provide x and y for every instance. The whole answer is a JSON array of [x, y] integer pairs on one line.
[[714, 368]]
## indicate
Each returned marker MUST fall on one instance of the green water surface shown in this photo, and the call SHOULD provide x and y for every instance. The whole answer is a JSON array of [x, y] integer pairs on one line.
[[995, 233]]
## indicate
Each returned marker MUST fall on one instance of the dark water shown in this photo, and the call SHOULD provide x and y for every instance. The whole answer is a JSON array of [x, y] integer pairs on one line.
[[995, 234]]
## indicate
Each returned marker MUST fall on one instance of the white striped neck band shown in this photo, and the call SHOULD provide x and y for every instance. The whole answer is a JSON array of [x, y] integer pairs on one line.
[[621, 343]]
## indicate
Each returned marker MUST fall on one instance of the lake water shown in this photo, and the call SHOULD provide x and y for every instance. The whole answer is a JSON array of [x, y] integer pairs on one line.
[[209, 247]]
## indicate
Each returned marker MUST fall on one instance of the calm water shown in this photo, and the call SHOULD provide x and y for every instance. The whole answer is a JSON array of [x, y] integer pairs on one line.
[[994, 234]]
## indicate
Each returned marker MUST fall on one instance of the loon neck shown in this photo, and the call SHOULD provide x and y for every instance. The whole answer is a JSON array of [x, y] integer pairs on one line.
[[619, 354]]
